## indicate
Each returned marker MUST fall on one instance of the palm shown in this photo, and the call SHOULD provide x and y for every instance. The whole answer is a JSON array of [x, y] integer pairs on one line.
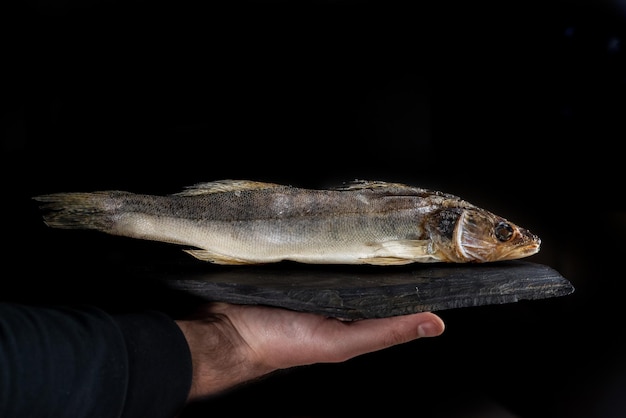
[[282, 338]]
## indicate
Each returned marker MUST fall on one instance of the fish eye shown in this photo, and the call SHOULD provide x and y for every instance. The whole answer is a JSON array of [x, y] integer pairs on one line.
[[504, 231]]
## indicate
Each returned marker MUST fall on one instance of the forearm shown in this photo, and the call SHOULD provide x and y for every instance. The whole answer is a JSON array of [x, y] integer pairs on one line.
[[159, 365], [60, 362], [86, 363]]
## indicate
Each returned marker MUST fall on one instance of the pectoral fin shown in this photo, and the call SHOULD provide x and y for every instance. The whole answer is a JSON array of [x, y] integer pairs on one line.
[[402, 252]]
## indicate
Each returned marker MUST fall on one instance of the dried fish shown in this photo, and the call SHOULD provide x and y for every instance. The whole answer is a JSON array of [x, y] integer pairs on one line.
[[249, 222]]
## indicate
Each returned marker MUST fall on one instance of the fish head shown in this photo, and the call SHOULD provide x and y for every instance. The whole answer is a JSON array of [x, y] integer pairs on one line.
[[472, 234]]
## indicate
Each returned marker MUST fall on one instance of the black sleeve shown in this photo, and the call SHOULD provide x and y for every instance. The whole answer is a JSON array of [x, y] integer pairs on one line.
[[76, 363]]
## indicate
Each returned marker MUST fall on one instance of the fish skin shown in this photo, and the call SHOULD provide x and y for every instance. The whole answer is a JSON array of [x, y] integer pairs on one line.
[[248, 222]]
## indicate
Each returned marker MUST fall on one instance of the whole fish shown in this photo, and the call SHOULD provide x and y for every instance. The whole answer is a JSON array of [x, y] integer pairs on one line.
[[249, 222]]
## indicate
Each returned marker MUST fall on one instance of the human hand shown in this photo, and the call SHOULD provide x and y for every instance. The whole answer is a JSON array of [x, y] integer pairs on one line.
[[232, 344]]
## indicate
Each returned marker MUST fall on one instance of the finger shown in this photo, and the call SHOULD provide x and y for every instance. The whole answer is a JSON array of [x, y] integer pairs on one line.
[[370, 335]]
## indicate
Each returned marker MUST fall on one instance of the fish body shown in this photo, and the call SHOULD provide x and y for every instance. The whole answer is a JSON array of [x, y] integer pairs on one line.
[[248, 222]]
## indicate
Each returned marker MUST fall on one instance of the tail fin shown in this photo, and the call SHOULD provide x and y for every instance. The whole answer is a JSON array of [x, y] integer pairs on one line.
[[78, 210]]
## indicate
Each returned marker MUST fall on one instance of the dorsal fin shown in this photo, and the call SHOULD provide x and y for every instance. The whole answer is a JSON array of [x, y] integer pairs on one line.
[[221, 186], [370, 184], [395, 190]]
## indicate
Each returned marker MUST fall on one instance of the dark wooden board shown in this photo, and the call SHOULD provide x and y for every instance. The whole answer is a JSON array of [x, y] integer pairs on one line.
[[357, 292]]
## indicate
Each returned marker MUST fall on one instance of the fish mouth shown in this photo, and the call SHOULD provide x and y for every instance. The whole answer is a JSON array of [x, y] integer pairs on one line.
[[533, 242], [533, 248], [526, 251], [522, 250]]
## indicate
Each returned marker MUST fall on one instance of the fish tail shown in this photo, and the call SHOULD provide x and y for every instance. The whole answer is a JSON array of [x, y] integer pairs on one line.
[[79, 210]]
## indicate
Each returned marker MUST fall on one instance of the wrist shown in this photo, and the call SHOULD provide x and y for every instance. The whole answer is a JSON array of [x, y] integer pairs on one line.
[[220, 359]]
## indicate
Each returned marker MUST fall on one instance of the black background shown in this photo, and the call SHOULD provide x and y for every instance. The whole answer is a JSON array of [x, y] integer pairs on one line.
[[518, 107]]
